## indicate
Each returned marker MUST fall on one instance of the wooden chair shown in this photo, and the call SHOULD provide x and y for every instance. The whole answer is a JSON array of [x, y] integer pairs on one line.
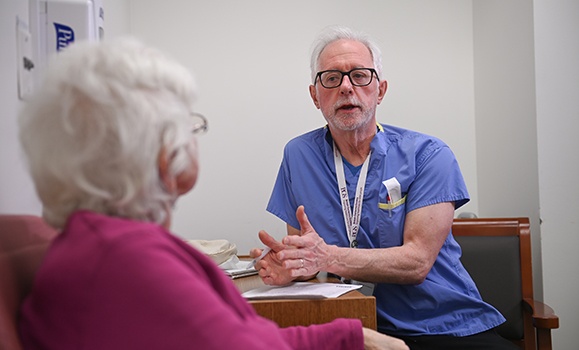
[[497, 254], [24, 240]]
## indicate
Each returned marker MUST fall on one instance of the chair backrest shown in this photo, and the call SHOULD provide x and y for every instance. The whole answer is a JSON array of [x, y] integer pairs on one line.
[[24, 240], [497, 254]]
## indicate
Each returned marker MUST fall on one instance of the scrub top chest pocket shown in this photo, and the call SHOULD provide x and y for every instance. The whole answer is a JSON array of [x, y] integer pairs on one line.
[[394, 197], [391, 214]]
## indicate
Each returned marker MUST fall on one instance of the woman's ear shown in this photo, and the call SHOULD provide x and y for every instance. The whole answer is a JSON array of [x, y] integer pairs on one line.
[[180, 183], [163, 162], [187, 179]]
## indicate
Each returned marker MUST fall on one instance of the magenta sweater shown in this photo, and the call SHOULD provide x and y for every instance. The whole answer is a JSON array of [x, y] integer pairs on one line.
[[111, 283]]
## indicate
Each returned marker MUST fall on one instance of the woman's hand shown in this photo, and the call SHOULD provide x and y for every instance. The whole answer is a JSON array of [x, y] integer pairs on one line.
[[378, 341]]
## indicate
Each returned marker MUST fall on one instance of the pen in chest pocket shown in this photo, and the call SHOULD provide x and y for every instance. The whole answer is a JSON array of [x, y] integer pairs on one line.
[[394, 193]]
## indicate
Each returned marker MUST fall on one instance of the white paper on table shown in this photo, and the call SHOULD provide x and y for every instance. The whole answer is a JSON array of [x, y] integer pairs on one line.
[[236, 268], [301, 290]]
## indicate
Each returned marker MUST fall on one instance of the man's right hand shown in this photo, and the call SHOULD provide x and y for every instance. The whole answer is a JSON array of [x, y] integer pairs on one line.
[[270, 268]]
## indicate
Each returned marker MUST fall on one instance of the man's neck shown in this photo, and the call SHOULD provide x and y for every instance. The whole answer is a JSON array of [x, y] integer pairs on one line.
[[354, 145]]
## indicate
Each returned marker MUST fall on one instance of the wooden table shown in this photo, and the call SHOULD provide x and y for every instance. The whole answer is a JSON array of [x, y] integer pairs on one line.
[[304, 312]]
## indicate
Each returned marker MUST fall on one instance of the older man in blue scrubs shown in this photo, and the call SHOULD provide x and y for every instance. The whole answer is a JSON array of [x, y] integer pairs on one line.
[[380, 203]]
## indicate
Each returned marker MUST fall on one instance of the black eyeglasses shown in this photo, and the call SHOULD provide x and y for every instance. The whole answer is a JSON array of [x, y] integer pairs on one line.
[[200, 124], [358, 77]]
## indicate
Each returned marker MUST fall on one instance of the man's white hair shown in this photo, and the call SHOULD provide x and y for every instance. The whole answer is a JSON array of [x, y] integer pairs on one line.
[[334, 33]]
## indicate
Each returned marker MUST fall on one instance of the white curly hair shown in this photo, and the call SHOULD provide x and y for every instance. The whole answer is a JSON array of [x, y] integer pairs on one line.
[[93, 131]]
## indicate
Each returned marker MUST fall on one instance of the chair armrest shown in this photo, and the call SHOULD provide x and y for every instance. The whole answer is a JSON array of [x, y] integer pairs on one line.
[[543, 315]]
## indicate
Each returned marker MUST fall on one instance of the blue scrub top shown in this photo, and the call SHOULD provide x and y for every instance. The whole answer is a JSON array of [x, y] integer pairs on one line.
[[447, 302]]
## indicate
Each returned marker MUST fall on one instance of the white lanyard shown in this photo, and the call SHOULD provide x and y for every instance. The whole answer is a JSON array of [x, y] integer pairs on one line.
[[351, 216]]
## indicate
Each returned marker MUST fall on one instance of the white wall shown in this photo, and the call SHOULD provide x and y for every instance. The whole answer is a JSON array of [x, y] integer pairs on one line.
[[16, 189], [251, 60], [557, 77], [526, 88], [506, 119]]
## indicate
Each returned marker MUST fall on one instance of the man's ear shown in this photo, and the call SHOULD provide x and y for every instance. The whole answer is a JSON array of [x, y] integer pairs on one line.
[[314, 96], [163, 161], [382, 87]]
